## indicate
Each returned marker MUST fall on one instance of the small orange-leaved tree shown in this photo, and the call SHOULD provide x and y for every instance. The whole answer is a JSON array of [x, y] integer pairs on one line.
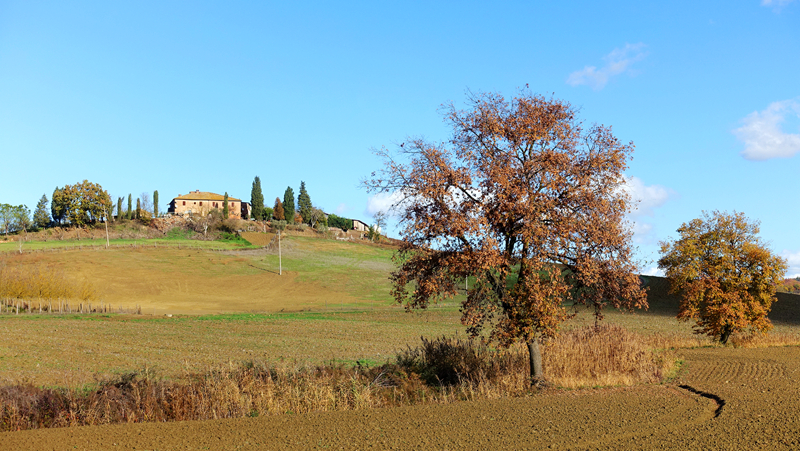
[[726, 276], [526, 203]]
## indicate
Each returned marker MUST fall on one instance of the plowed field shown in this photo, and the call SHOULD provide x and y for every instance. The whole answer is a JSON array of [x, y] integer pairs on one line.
[[757, 389]]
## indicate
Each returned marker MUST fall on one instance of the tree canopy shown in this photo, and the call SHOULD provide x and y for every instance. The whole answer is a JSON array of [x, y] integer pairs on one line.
[[80, 203], [726, 276], [340, 222], [525, 201]]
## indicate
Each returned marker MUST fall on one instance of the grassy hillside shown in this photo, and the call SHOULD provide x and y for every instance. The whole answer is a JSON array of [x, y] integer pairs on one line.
[[174, 276]]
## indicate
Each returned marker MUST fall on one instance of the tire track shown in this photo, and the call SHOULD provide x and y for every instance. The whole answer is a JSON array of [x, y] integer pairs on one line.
[[717, 399]]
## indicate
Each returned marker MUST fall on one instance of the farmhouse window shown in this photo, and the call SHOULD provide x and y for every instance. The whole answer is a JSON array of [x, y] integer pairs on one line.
[[201, 203], [184, 202]]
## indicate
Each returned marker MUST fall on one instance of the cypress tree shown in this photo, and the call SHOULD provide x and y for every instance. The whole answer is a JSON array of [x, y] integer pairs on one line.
[[304, 203], [130, 211], [155, 203], [138, 208], [225, 209], [257, 200], [119, 208], [288, 205]]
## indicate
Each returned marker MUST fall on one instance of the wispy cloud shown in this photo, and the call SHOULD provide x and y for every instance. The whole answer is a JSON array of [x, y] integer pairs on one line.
[[776, 5], [646, 199], [617, 62], [762, 135]]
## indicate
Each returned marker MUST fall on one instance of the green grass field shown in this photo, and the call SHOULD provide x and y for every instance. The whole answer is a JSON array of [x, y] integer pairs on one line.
[[229, 305]]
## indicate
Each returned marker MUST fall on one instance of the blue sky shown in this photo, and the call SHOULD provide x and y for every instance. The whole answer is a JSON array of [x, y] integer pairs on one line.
[[177, 96]]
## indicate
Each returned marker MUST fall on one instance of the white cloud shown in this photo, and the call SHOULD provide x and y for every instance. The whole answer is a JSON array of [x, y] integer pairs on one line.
[[384, 202], [617, 62], [654, 271], [762, 135], [793, 258], [340, 209]]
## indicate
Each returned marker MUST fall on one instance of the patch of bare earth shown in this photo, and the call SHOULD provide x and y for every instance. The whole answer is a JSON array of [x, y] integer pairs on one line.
[[759, 388]]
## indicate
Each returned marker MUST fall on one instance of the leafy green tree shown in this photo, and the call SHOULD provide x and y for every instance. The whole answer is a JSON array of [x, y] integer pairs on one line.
[[80, 203], [726, 276], [268, 213], [340, 222], [155, 203], [278, 210], [225, 210], [59, 205], [318, 217], [41, 217], [119, 208], [129, 215], [304, 203], [22, 218], [257, 201], [6, 218], [288, 205]]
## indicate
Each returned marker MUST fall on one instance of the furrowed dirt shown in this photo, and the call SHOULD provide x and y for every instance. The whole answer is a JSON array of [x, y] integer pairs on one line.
[[759, 388]]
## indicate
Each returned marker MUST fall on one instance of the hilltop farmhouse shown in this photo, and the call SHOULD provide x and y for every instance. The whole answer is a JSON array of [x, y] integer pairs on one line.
[[202, 202]]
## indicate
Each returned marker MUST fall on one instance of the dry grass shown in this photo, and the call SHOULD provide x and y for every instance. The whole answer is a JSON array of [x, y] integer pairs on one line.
[[604, 355], [40, 286], [438, 371]]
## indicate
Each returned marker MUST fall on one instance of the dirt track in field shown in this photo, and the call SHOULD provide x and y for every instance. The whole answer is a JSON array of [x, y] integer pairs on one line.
[[757, 390]]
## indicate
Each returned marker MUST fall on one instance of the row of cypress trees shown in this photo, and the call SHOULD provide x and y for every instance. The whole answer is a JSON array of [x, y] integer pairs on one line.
[[283, 209]]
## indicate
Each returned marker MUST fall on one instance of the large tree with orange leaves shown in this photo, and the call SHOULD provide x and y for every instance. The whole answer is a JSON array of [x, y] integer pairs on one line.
[[524, 201], [725, 275]]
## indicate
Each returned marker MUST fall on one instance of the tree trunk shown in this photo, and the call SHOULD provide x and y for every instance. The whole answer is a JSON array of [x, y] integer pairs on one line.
[[726, 333], [535, 359]]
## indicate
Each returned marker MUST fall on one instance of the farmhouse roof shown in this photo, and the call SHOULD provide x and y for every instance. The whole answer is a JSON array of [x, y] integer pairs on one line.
[[205, 195]]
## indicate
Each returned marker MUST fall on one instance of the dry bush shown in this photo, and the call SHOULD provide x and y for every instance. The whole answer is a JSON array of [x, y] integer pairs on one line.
[[447, 362]]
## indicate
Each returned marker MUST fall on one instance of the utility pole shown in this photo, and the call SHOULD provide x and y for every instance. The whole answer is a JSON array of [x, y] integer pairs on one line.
[[105, 212]]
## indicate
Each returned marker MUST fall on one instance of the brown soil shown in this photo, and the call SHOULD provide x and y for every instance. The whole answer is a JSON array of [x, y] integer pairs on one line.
[[756, 389]]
